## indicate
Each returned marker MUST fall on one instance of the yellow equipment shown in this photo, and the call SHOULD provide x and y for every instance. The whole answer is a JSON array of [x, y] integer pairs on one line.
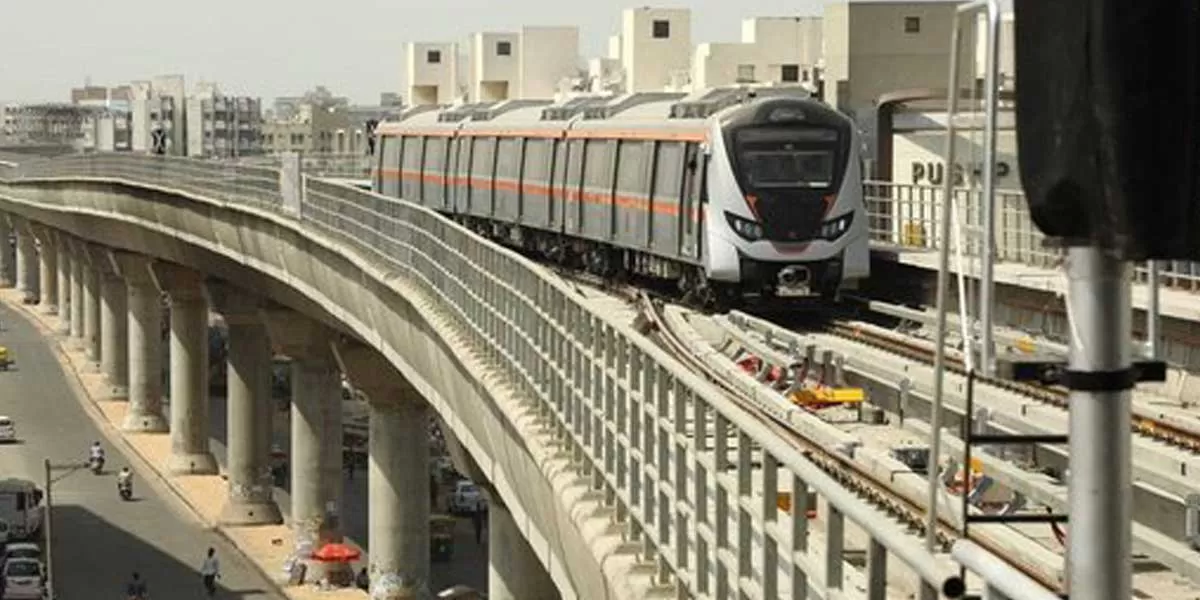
[[826, 396], [5, 359]]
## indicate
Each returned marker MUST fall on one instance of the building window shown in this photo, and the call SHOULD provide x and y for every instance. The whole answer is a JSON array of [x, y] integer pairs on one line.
[[503, 48], [789, 73], [662, 29], [912, 24], [433, 57], [745, 73]]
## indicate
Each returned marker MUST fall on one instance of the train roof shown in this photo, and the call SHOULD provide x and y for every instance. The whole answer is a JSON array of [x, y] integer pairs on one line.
[[643, 115]]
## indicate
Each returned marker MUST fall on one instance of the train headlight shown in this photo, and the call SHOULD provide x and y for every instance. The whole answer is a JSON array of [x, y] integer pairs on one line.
[[745, 228], [833, 229]]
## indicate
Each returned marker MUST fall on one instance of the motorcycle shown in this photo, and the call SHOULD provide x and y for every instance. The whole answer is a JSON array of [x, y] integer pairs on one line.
[[125, 489], [96, 464]]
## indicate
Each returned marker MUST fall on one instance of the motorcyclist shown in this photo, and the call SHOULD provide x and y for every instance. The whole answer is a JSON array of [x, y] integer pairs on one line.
[[125, 479], [136, 588], [96, 452]]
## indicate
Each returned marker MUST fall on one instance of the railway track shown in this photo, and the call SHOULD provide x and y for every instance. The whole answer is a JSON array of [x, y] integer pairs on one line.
[[840, 467], [1056, 396]]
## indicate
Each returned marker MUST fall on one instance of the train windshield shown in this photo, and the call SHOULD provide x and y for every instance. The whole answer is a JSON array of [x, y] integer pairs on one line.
[[787, 158]]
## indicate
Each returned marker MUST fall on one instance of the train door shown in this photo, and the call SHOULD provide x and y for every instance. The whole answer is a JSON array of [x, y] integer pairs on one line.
[[691, 210], [558, 186], [573, 189], [458, 176]]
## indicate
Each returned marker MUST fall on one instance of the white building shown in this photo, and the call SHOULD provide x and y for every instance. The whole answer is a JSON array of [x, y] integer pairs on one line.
[[549, 55], [159, 104], [532, 64], [432, 70], [772, 50], [113, 133], [656, 47], [872, 48], [223, 126], [495, 66]]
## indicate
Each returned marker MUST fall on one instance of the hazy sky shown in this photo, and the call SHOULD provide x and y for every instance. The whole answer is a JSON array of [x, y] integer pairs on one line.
[[271, 48]]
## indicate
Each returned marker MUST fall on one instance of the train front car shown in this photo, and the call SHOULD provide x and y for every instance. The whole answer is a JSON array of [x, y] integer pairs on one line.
[[786, 216]]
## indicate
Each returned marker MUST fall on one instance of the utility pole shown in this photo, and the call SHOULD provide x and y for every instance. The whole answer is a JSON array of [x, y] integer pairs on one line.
[[49, 535]]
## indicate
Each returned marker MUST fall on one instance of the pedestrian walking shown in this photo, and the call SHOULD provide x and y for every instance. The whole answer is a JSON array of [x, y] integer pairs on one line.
[[210, 571]]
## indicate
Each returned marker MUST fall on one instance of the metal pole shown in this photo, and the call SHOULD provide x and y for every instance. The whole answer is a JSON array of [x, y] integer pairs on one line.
[[1153, 342], [49, 536], [986, 301], [1099, 492], [939, 355]]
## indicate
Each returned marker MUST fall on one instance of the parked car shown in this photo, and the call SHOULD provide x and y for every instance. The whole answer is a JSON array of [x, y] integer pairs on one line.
[[467, 498], [8, 429], [21, 550], [24, 578]]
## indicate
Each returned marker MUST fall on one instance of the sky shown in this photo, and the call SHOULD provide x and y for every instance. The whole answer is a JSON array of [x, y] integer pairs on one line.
[[270, 48]]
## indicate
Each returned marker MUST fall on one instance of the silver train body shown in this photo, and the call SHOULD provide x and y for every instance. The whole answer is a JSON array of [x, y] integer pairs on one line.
[[726, 196]]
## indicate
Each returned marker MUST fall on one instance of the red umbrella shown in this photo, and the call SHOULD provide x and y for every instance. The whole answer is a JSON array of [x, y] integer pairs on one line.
[[336, 552]]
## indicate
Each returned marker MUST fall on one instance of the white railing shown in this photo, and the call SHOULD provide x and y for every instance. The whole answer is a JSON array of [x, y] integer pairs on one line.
[[321, 164], [905, 216], [675, 458]]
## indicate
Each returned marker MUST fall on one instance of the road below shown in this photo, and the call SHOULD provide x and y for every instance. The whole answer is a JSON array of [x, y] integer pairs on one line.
[[99, 539]]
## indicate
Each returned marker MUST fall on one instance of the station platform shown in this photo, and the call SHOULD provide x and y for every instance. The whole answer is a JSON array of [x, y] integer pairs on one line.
[[1174, 302]]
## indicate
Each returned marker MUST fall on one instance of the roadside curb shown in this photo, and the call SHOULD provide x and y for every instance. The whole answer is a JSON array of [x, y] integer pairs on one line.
[[116, 436]]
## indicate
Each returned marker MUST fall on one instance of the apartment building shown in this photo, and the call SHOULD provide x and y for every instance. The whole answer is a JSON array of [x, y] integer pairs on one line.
[[223, 126], [656, 48], [777, 50], [159, 105], [432, 70]]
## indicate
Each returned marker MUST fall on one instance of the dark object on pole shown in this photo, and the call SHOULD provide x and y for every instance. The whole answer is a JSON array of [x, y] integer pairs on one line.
[[371, 124], [158, 141], [1108, 114]]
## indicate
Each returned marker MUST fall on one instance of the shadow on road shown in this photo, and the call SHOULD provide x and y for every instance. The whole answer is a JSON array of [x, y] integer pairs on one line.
[[82, 574]]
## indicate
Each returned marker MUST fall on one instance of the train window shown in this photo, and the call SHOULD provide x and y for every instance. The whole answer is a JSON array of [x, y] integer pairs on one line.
[[410, 186], [482, 163], [575, 165], [632, 177], [389, 172], [598, 174], [668, 172], [508, 159], [785, 157], [537, 163], [435, 155]]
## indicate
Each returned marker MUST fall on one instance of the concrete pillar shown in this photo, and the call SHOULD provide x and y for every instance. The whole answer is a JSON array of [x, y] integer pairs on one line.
[[8, 254], [144, 308], [114, 325], [251, 495], [316, 421], [27, 258], [91, 303], [398, 474], [65, 258], [514, 571], [77, 302], [190, 454], [48, 270]]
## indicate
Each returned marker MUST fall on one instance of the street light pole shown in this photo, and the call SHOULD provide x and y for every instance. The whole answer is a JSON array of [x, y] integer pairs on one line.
[[49, 535]]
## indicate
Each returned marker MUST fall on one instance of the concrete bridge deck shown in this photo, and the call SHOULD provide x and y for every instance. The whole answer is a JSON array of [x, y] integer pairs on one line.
[[585, 430]]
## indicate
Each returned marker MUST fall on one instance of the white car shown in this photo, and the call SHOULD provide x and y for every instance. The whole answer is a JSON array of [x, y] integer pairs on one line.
[[8, 430], [24, 578], [21, 550], [467, 498]]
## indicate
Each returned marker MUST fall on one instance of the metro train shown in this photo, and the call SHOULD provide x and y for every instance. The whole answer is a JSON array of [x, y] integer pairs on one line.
[[724, 197]]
